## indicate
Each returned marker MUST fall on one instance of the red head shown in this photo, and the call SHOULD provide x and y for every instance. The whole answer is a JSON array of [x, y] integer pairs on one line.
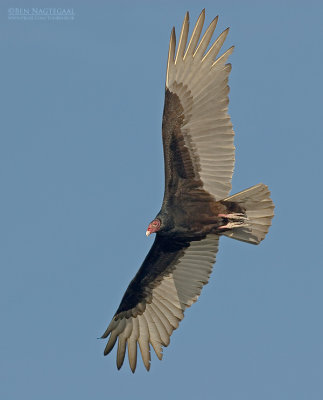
[[153, 227]]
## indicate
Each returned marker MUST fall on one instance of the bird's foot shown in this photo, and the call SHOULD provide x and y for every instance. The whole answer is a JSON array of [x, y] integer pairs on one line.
[[234, 220]]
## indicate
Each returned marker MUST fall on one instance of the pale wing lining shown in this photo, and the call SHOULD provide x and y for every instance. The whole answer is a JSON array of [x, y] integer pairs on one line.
[[207, 127], [176, 291]]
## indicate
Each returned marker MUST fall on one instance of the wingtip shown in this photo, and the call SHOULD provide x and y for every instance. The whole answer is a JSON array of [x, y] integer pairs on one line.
[[172, 36], [225, 33], [132, 363], [213, 23], [191, 47], [202, 15]]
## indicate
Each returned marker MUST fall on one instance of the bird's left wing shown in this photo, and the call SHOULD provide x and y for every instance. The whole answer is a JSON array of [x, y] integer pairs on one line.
[[169, 280], [197, 131]]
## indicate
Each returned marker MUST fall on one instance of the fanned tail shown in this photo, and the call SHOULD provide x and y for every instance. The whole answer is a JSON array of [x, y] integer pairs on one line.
[[259, 210]]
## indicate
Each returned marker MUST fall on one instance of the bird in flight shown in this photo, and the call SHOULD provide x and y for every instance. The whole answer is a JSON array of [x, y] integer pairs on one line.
[[197, 209]]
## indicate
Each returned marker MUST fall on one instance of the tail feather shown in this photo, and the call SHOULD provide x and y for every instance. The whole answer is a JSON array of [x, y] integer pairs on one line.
[[259, 210]]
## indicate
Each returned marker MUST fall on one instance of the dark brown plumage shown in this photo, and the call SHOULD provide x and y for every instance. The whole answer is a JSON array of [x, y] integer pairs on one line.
[[199, 159]]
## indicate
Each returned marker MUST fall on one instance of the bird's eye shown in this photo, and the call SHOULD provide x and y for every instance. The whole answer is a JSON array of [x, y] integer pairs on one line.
[[155, 223]]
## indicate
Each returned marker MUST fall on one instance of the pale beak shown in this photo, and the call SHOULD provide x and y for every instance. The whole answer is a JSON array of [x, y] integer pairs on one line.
[[148, 233]]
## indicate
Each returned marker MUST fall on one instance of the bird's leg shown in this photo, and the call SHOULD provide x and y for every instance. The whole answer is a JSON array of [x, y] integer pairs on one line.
[[234, 220]]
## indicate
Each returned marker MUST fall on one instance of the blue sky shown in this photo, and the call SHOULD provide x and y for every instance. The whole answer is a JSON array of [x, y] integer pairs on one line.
[[81, 175]]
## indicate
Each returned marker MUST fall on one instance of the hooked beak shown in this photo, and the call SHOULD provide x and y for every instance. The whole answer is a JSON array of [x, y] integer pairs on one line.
[[148, 233]]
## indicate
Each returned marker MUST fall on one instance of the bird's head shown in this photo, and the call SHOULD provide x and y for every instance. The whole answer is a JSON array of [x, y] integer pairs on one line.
[[154, 226]]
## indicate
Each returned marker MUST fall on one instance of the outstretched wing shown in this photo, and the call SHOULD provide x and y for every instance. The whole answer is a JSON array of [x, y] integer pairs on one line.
[[169, 280], [197, 131]]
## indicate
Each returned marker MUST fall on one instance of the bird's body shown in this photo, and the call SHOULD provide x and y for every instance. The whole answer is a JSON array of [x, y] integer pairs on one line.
[[199, 160], [184, 192]]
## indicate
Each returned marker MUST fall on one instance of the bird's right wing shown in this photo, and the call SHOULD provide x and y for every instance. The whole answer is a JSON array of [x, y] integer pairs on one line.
[[169, 280], [197, 131]]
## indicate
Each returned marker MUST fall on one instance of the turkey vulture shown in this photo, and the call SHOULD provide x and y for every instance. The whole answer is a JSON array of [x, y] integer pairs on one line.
[[199, 160]]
